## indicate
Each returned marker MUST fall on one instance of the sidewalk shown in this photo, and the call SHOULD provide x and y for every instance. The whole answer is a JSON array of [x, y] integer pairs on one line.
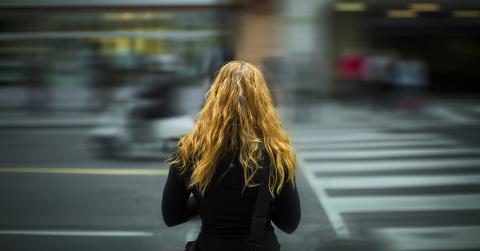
[[341, 114], [24, 120], [59, 98], [337, 114], [68, 107]]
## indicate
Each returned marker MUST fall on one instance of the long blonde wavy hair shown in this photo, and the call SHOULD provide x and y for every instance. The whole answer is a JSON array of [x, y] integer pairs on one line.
[[238, 115]]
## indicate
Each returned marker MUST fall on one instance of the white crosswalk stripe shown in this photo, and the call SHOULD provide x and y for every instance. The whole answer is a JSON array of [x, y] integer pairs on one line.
[[375, 144], [406, 203], [449, 114], [388, 153], [475, 109], [388, 165], [351, 137], [395, 181], [420, 238], [368, 164]]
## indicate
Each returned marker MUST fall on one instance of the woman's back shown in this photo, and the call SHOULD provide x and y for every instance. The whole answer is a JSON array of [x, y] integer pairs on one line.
[[226, 212], [238, 122]]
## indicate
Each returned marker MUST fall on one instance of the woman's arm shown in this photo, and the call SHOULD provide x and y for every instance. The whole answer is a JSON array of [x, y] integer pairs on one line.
[[286, 213], [177, 205]]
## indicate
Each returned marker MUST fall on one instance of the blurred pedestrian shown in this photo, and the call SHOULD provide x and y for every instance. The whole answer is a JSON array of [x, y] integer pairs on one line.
[[238, 164], [272, 67], [220, 54], [38, 91], [410, 78], [101, 87]]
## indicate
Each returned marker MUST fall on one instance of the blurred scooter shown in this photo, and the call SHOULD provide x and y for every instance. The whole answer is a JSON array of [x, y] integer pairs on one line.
[[141, 122]]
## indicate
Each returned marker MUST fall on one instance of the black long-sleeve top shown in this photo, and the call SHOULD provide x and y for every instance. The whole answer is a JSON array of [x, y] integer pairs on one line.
[[225, 211]]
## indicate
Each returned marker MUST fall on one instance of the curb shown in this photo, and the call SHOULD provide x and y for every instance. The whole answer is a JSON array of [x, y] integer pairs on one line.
[[46, 125], [349, 245]]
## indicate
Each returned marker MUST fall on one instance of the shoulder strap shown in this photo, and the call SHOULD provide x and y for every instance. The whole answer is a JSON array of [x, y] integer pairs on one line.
[[262, 205]]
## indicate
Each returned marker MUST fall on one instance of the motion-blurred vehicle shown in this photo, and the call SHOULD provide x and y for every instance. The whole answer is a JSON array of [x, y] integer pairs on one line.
[[142, 121]]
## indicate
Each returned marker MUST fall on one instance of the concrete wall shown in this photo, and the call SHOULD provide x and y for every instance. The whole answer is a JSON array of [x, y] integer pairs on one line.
[[258, 33], [306, 40]]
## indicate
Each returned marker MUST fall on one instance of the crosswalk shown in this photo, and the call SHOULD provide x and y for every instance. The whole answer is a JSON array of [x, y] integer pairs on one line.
[[434, 114], [410, 191]]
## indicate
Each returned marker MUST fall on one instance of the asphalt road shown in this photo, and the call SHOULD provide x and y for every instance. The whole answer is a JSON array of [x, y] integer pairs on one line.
[[414, 187], [55, 196], [405, 189]]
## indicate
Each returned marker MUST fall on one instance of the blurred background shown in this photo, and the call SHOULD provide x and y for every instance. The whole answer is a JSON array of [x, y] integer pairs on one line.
[[380, 97]]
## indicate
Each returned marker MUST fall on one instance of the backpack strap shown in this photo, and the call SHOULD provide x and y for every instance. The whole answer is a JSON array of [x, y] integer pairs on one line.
[[260, 212]]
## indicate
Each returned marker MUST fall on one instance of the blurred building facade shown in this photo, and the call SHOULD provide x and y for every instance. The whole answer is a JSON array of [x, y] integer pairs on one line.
[[437, 40], [354, 46], [103, 45], [307, 47]]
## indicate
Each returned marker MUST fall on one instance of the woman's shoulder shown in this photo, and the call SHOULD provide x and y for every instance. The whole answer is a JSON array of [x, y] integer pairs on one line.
[[181, 170]]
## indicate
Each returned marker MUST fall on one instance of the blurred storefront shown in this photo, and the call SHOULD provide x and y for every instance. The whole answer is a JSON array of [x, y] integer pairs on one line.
[[106, 44], [72, 34], [308, 49], [438, 41], [431, 44]]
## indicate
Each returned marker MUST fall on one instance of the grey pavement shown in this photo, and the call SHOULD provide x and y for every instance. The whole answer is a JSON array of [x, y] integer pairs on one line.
[[402, 180], [365, 172], [329, 113], [44, 207], [20, 119]]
